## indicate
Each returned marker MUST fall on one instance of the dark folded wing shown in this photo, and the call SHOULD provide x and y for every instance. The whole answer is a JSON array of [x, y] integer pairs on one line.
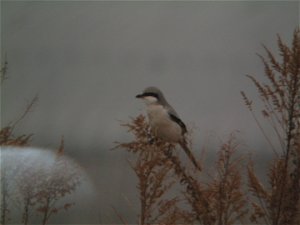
[[179, 122]]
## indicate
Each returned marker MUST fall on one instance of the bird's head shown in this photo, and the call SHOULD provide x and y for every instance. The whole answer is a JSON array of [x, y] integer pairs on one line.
[[151, 95]]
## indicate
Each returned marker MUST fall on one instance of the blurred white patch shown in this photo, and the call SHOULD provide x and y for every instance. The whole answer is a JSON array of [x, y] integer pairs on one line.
[[39, 184]]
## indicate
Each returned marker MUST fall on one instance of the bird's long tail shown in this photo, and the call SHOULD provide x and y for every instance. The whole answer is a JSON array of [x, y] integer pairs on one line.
[[190, 154]]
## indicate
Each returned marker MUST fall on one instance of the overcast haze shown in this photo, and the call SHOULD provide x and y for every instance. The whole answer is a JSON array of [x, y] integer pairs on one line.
[[87, 61]]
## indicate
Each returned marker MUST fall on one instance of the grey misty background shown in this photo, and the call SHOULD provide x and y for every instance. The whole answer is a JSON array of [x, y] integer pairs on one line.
[[87, 60]]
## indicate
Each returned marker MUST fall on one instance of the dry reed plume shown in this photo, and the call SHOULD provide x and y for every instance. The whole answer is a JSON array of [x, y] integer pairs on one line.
[[277, 203], [159, 168]]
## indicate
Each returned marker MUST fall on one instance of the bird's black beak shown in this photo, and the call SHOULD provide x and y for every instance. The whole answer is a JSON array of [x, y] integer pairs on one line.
[[139, 96]]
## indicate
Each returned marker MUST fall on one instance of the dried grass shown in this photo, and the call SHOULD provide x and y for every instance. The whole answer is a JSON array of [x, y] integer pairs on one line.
[[34, 190], [278, 202], [158, 168]]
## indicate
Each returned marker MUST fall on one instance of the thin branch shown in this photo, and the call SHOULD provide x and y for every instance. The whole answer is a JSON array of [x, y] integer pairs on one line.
[[119, 215], [27, 110]]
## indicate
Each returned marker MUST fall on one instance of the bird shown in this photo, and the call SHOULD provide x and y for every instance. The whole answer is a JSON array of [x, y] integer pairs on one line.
[[165, 124]]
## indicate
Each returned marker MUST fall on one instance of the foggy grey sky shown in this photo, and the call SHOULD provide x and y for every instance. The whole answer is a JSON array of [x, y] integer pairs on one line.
[[87, 61]]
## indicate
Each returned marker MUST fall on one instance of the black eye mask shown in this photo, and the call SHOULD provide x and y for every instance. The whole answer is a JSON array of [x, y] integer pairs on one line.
[[147, 94]]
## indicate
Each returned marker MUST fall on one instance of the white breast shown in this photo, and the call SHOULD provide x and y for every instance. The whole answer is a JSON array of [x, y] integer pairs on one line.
[[161, 124]]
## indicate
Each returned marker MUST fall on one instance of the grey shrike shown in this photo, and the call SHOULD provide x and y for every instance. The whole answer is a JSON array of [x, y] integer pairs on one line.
[[164, 121]]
